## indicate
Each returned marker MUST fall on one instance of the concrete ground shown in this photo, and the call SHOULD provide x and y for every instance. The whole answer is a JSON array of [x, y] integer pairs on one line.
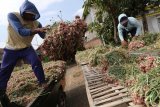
[[75, 87]]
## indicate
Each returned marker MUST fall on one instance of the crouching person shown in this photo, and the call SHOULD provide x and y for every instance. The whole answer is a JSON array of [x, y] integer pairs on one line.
[[128, 25]]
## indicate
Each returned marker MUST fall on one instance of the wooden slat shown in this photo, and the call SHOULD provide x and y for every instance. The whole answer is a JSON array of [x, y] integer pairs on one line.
[[96, 80], [111, 99], [100, 88], [93, 80], [90, 100], [85, 69], [84, 63], [101, 94], [110, 95], [95, 71], [97, 86], [138, 106], [94, 76], [116, 103], [133, 105], [106, 92], [95, 83], [100, 75], [88, 79], [90, 73]]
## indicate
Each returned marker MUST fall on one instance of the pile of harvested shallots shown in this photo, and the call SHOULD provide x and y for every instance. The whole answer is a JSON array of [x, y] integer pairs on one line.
[[23, 87], [63, 41]]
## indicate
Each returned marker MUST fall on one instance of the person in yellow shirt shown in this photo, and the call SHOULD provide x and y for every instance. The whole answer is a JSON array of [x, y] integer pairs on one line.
[[21, 29]]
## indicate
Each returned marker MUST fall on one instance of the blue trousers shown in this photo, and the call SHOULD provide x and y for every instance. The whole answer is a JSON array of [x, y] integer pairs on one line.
[[9, 60]]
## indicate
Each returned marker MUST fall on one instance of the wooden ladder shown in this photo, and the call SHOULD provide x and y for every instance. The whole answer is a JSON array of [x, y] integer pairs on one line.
[[101, 94]]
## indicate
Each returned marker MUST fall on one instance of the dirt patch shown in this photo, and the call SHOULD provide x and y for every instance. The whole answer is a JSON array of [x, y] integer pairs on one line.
[[75, 88], [93, 43]]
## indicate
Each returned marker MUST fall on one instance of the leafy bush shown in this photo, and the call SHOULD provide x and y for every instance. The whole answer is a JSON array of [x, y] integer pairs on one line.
[[116, 57], [105, 30], [149, 38]]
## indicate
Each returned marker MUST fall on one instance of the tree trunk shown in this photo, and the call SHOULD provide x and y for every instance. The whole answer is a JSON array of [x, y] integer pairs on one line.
[[103, 40], [112, 13], [115, 23], [144, 21]]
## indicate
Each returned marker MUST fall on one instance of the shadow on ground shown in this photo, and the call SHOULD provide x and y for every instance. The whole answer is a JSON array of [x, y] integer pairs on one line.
[[77, 97]]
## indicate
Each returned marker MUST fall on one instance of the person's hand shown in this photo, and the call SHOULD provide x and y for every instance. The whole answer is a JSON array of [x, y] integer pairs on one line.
[[48, 27], [39, 30], [124, 43]]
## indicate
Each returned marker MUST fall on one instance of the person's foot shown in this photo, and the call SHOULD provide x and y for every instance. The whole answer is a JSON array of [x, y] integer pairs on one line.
[[44, 85]]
